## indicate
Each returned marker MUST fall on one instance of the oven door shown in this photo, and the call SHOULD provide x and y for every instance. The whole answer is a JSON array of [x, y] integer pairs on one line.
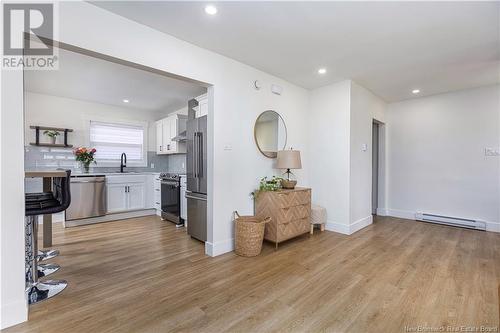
[[171, 201]]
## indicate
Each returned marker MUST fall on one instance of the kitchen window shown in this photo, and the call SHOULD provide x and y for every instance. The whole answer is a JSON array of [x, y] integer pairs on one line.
[[111, 140]]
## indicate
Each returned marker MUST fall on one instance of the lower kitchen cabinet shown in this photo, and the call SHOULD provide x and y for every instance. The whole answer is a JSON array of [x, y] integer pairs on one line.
[[126, 193], [136, 196], [116, 197]]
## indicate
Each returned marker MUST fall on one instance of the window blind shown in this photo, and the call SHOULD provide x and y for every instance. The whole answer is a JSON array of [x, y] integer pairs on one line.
[[111, 140]]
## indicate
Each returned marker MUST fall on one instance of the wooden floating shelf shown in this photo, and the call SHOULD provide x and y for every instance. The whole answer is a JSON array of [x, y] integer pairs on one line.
[[59, 145], [46, 128]]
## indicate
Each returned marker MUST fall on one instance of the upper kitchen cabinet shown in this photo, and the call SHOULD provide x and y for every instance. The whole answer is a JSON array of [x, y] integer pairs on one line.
[[167, 129], [202, 108]]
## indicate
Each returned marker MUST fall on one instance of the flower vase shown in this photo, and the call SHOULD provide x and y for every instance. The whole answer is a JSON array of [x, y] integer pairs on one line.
[[53, 140], [86, 167]]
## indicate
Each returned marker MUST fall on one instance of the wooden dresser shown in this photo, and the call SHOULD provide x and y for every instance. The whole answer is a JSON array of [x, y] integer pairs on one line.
[[290, 211]]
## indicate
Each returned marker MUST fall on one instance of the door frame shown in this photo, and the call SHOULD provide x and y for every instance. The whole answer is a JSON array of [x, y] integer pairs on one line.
[[381, 208]]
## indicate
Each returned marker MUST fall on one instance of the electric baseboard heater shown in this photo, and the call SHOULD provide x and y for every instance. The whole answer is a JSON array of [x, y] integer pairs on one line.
[[453, 221]]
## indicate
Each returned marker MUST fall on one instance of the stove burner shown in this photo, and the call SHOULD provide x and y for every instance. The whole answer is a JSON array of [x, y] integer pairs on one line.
[[169, 176]]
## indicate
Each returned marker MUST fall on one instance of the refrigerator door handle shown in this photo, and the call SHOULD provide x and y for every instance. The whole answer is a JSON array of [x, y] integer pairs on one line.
[[200, 155], [195, 198], [195, 161]]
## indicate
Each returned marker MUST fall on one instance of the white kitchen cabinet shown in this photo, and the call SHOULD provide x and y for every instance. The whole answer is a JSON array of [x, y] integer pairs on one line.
[[126, 193], [136, 196], [166, 130], [183, 199], [116, 197], [202, 108], [159, 137], [157, 194]]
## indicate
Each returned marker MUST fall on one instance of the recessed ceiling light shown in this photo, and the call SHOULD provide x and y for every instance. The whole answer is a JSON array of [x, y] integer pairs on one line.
[[322, 71], [211, 10], [415, 91], [126, 101]]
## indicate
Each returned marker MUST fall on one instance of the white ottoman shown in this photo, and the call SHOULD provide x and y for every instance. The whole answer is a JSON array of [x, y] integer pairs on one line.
[[318, 216]]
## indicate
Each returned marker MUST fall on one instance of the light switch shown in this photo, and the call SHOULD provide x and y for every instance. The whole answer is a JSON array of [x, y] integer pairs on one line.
[[228, 147], [491, 151], [364, 147]]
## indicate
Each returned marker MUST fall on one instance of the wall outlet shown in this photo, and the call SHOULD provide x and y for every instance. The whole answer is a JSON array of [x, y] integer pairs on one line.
[[152, 165], [183, 165], [491, 151]]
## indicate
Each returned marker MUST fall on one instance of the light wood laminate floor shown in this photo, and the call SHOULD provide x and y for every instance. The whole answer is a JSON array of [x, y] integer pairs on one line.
[[143, 275]]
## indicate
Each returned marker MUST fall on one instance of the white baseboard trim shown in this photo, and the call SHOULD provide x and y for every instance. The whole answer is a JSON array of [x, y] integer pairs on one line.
[[381, 212], [402, 214], [218, 248], [492, 226], [110, 217], [361, 223], [337, 227], [409, 215], [56, 218], [13, 313], [349, 229]]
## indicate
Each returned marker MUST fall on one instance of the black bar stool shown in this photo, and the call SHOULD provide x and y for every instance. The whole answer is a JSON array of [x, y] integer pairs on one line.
[[40, 204]]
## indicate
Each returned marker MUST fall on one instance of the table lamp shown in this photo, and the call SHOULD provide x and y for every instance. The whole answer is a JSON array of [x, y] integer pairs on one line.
[[288, 159]]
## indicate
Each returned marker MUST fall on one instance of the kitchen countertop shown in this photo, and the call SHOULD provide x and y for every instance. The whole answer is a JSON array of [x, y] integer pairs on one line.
[[44, 173], [130, 173]]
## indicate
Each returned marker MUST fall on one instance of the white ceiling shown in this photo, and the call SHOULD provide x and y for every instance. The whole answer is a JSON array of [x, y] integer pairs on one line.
[[95, 80], [390, 48]]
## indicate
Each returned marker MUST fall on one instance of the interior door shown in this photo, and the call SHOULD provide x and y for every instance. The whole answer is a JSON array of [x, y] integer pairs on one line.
[[136, 196], [375, 161], [116, 197]]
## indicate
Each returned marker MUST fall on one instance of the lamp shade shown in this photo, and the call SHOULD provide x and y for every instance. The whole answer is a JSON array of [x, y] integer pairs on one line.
[[288, 159]]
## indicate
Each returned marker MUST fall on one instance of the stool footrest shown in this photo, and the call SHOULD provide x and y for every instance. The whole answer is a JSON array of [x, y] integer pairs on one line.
[[44, 290]]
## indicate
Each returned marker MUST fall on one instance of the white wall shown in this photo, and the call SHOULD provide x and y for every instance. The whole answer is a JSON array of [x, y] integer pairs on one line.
[[341, 117], [236, 104], [329, 122], [13, 306], [233, 107], [436, 154], [365, 107], [47, 110]]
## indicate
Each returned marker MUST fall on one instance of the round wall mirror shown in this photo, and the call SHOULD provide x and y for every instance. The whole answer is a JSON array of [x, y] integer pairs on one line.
[[270, 133]]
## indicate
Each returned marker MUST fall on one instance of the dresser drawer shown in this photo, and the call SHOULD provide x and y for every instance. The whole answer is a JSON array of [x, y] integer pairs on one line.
[[291, 213], [293, 228], [295, 198]]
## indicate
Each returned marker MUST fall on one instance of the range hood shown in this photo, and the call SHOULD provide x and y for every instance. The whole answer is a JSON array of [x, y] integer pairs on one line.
[[181, 137]]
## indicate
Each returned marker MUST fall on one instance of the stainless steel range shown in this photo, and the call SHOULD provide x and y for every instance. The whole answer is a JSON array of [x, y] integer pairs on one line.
[[171, 198]]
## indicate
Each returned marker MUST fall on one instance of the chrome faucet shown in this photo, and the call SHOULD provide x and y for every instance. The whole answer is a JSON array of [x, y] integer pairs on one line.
[[123, 162]]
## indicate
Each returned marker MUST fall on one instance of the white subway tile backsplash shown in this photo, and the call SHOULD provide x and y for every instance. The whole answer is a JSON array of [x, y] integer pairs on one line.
[[43, 157]]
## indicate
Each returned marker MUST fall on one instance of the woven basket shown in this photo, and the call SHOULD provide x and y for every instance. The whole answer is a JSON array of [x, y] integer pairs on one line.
[[249, 234]]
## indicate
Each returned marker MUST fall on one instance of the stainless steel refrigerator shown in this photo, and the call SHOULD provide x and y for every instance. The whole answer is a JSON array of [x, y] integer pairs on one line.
[[196, 193]]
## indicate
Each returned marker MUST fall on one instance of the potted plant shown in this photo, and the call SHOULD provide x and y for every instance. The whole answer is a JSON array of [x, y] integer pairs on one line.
[[52, 135], [85, 156], [273, 184]]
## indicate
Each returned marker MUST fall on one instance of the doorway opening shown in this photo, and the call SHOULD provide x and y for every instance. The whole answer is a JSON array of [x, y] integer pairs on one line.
[[378, 167]]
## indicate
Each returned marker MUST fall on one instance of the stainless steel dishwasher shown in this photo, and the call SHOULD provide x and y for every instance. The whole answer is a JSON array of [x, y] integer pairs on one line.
[[88, 197]]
